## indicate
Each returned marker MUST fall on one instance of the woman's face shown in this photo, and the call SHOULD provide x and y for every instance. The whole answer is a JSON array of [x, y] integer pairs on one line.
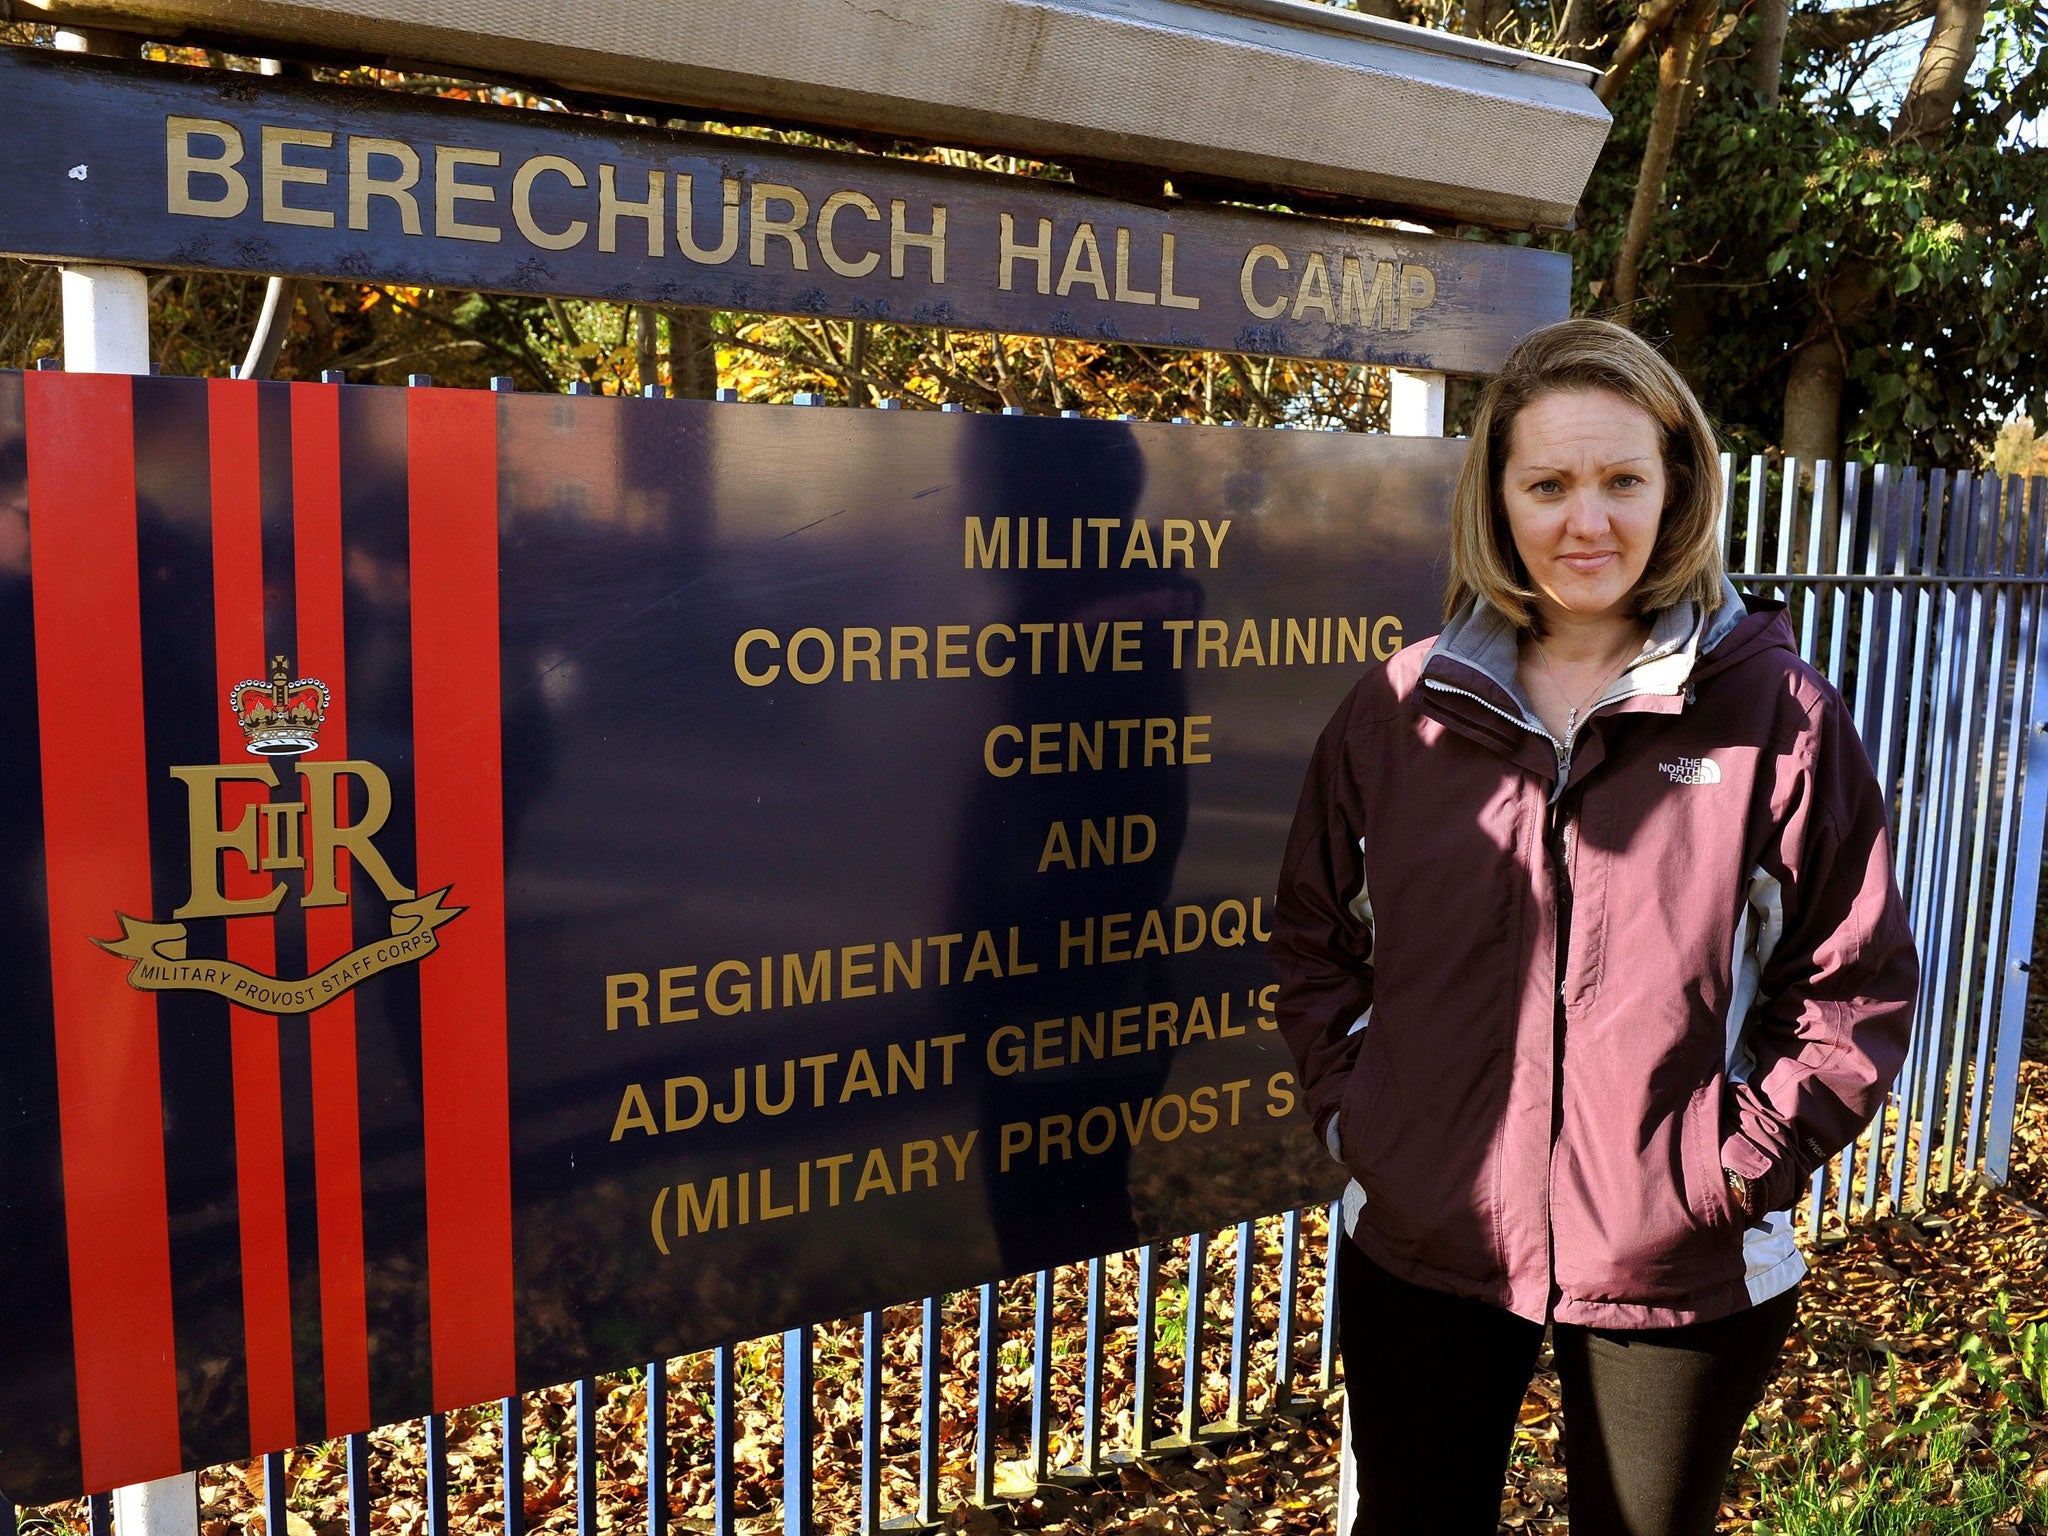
[[1584, 489]]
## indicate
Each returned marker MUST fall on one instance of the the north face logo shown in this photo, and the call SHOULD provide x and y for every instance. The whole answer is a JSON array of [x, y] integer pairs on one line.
[[1692, 770]]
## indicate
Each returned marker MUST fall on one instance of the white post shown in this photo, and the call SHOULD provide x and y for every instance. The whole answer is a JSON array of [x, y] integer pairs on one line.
[[106, 320], [1416, 410], [167, 1507], [1417, 407], [106, 330], [106, 309]]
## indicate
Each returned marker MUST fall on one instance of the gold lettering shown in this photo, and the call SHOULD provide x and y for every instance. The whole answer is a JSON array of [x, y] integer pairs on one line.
[[1077, 270], [1357, 307], [1039, 255], [826, 246], [761, 226], [326, 838], [522, 202], [1167, 296], [450, 190], [181, 165], [278, 174], [1252, 301], [1315, 287], [729, 228], [627, 989], [1125, 293], [208, 840], [635, 1113], [611, 208], [1418, 292], [740, 665], [932, 242], [362, 185]]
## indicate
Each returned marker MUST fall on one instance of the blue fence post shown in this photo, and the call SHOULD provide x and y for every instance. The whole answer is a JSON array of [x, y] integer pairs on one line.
[[799, 1383], [932, 1359], [358, 1485], [586, 1457], [657, 1448], [1241, 1324], [1145, 1355], [1283, 1339], [1041, 1379], [872, 1327], [513, 1436], [437, 1476], [1326, 1374], [986, 1377], [721, 1441], [1191, 1365]]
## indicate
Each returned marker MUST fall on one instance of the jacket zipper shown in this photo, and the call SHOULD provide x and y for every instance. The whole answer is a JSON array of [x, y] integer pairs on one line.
[[1563, 749], [1561, 829]]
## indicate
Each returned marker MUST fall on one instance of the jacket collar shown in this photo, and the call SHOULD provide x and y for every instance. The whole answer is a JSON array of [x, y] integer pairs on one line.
[[1479, 652]]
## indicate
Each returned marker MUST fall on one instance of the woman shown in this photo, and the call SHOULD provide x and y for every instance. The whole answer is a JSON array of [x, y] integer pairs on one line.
[[1590, 955]]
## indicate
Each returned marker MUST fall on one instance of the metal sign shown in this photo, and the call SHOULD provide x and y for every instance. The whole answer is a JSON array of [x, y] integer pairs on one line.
[[827, 866], [159, 166]]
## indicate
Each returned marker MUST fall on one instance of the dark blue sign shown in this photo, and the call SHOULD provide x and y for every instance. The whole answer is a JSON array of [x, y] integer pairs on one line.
[[506, 887], [161, 166]]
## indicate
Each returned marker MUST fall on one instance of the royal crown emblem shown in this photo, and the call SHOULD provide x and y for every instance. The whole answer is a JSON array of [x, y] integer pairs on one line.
[[280, 717]]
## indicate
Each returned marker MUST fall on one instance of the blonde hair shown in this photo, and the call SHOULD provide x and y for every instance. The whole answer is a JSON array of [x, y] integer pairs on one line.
[[1573, 355]]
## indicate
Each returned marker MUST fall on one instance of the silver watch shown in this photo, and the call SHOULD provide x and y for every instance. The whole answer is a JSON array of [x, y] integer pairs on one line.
[[1740, 1186]]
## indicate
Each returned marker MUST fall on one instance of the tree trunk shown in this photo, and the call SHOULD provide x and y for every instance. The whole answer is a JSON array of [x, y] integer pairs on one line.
[[1767, 62], [692, 355], [1813, 384], [1483, 18], [1675, 70], [647, 345], [1575, 33], [1929, 109]]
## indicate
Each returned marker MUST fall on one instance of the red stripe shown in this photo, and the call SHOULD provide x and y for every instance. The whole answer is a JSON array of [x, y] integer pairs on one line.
[[452, 439], [239, 654], [88, 625], [337, 1139]]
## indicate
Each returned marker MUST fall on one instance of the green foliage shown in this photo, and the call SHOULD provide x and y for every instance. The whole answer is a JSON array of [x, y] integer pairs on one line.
[[1919, 1465], [1931, 260]]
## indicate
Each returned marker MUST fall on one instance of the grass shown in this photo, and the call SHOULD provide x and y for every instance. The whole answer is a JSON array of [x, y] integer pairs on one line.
[[1890, 1463]]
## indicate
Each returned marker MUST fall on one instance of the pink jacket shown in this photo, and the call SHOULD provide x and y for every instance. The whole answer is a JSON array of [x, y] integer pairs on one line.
[[1540, 994]]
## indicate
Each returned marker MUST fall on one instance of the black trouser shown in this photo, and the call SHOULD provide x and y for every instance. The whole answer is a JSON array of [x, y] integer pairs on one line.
[[1435, 1383]]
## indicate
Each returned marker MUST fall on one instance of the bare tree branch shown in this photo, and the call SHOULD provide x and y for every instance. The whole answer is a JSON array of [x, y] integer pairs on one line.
[[1676, 69], [1243, 375], [1649, 25], [1839, 29]]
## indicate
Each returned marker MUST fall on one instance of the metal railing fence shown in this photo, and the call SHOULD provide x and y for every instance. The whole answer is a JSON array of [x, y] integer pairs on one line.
[[1919, 592]]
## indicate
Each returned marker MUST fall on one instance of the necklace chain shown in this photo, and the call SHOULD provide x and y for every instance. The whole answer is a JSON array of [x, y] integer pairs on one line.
[[1573, 710]]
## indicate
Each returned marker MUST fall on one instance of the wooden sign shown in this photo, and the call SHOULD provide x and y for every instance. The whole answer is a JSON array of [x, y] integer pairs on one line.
[[165, 167]]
